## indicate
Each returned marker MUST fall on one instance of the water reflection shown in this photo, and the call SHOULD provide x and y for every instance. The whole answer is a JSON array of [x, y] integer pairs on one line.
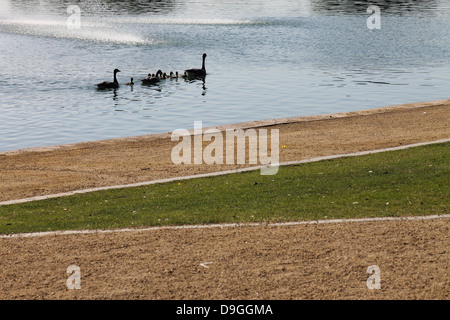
[[389, 7], [95, 7], [204, 86], [257, 8]]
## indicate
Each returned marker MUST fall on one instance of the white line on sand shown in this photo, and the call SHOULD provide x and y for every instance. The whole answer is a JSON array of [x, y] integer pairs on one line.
[[145, 183], [224, 225]]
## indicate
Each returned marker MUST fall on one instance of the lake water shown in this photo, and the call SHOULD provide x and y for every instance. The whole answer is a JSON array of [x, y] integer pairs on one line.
[[266, 59]]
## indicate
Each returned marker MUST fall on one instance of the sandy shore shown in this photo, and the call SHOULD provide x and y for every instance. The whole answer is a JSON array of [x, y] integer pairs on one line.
[[55, 169]]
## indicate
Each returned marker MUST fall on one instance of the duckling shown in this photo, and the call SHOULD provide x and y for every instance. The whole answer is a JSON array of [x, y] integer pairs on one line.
[[108, 84], [130, 83], [150, 79]]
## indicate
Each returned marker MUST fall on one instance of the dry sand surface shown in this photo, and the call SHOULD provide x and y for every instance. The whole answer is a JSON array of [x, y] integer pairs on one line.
[[289, 262], [283, 262]]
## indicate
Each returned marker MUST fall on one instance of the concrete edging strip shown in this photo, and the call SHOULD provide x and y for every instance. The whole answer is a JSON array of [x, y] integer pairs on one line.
[[224, 225]]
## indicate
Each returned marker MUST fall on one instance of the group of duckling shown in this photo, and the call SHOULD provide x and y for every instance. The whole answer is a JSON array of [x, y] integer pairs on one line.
[[157, 77]]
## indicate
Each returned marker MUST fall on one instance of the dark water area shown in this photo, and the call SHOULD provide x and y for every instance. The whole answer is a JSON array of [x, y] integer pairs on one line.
[[266, 59]]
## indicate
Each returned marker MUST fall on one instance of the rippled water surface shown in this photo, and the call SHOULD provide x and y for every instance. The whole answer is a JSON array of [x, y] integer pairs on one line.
[[266, 59]]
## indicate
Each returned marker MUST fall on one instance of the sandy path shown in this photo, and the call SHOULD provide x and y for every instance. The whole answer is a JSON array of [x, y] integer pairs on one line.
[[289, 262], [296, 262]]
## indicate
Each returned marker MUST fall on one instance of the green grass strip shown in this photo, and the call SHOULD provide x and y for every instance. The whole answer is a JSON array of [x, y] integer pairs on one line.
[[407, 182]]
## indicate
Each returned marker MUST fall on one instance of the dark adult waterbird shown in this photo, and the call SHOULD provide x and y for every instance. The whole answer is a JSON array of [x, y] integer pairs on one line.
[[109, 84], [197, 73]]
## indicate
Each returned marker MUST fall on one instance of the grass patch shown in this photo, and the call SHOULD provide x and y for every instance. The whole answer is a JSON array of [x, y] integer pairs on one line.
[[396, 183]]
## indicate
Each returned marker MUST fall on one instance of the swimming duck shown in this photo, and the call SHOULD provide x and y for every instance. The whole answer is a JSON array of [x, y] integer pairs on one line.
[[108, 84], [196, 73]]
